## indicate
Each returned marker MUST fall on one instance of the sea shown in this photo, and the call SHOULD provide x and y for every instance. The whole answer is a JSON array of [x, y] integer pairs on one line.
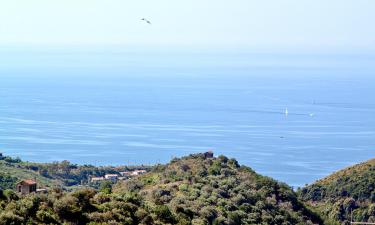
[[296, 117]]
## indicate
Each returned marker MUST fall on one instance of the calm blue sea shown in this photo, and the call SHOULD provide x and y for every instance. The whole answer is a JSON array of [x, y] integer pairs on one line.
[[128, 108]]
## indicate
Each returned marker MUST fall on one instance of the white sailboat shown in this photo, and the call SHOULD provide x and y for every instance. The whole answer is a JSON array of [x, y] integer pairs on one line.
[[286, 111]]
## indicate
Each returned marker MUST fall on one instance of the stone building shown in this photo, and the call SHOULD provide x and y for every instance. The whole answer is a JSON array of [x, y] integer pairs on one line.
[[25, 187]]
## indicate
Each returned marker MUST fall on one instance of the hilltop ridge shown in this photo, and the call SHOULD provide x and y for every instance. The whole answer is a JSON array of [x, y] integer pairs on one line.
[[348, 190], [197, 189]]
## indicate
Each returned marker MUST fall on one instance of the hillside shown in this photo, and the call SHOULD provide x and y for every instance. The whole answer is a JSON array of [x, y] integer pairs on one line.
[[349, 190], [13, 170], [198, 189], [57, 174]]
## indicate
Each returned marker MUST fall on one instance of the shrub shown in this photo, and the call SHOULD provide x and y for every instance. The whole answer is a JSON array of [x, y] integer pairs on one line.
[[106, 187], [10, 218], [164, 214]]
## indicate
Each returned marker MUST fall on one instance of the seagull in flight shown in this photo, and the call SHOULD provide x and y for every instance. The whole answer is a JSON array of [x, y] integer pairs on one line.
[[146, 20]]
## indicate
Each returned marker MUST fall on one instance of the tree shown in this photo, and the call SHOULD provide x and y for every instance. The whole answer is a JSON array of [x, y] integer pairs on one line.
[[106, 187], [164, 214]]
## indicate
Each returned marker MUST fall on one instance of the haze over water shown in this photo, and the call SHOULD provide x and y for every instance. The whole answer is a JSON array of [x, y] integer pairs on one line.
[[126, 108]]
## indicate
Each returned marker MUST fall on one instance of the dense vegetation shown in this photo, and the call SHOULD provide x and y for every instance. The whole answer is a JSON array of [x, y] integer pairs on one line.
[[56, 174], [197, 189], [346, 191]]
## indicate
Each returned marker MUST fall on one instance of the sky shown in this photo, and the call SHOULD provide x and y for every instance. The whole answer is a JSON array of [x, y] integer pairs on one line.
[[257, 24]]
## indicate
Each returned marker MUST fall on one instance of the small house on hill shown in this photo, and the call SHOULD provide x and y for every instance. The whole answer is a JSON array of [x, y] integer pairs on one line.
[[112, 177], [25, 187], [133, 173], [138, 172], [126, 173]]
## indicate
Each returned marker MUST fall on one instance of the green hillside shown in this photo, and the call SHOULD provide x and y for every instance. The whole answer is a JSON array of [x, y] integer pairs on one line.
[[349, 190], [13, 170], [198, 189], [57, 174]]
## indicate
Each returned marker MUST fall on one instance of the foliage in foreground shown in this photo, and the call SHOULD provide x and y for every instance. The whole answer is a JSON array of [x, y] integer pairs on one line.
[[197, 189], [348, 192]]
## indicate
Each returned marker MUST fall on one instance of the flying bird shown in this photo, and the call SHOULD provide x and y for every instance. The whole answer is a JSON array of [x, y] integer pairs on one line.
[[146, 20]]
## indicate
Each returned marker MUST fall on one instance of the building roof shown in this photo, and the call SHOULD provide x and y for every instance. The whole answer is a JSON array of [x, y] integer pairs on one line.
[[137, 172], [27, 182], [111, 175]]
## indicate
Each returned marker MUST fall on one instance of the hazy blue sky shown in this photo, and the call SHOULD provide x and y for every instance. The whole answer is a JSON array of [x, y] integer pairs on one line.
[[269, 24]]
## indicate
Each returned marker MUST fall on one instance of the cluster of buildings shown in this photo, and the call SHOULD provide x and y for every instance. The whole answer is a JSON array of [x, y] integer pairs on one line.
[[121, 176], [29, 186]]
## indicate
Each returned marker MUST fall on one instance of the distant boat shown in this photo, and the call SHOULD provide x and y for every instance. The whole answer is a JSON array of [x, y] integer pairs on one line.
[[286, 112], [146, 20], [311, 114]]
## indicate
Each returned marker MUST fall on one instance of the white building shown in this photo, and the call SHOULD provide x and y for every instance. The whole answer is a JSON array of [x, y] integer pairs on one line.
[[112, 177], [138, 172], [126, 173]]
